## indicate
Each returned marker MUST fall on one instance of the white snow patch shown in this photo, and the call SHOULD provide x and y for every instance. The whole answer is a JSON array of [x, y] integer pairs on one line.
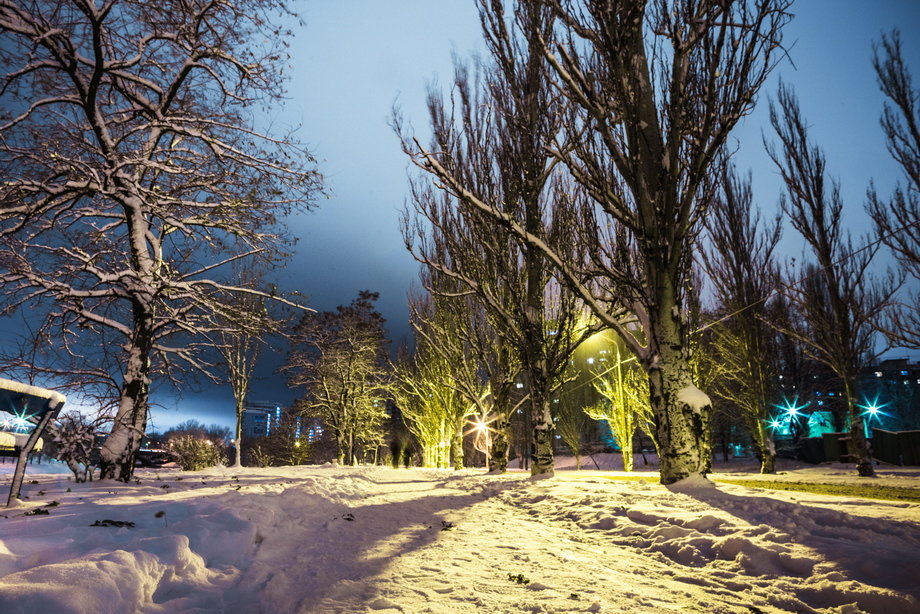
[[693, 397], [371, 539]]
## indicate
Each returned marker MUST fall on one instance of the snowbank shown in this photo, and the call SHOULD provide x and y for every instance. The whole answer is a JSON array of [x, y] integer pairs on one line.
[[327, 539]]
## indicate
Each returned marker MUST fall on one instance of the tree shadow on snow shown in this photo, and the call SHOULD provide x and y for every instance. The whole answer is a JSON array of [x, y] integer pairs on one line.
[[294, 546], [878, 552]]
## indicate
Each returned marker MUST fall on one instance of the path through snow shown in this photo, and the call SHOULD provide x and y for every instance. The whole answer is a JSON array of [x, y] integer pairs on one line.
[[323, 539]]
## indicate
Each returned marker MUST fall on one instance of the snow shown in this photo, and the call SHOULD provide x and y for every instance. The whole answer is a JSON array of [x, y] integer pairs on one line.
[[695, 398], [54, 398], [373, 539], [10, 441]]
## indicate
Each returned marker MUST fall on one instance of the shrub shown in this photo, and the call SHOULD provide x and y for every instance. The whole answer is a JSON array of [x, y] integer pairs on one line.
[[194, 453], [74, 442]]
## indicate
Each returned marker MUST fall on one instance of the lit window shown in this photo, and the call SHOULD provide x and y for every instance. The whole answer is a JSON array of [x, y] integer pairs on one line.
[[519, 385], [878, 374]]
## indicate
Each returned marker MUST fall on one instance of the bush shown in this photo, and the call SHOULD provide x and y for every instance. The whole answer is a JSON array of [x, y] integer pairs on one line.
[[194, 453], [74, 438]]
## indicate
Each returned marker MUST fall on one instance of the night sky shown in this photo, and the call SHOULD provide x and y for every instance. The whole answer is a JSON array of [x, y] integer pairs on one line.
[[355, 59]]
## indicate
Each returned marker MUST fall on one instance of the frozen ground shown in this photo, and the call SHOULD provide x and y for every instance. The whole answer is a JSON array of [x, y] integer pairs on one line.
[[370, 539]]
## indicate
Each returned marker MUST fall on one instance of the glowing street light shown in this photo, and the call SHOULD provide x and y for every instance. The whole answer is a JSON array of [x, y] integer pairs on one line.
[[482, 439], [872, 409], [792, 408]]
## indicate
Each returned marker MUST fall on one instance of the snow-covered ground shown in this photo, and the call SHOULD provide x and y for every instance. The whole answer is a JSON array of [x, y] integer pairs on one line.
[[372, 539]]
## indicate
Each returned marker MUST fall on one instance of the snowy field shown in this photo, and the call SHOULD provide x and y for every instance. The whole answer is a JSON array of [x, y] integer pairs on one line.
[[371, 539]]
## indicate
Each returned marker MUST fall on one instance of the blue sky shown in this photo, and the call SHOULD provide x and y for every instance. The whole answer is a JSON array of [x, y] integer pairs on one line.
[[355, 58]]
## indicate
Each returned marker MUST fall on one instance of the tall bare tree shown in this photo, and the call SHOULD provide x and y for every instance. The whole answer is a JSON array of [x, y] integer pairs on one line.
[[656, 88], [340, 361], [134, 172], [740, 265], [838, 301], [485, 367], [438, 387], [240, 343], [897, 220], [494, 140]]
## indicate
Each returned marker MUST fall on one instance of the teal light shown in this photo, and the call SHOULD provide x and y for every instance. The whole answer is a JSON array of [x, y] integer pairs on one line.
[[872, 409], [19, 423], [792, 408]]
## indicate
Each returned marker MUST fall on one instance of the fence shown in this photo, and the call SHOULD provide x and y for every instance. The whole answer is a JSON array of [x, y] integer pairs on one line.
[[897, 448]]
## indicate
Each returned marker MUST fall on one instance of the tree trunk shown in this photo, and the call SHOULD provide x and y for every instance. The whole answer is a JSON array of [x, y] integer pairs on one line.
[[767, 462], [763, 448], [340, 440], [681, 410], [238, 442], [626, 450], [859, 445], [119, 451], [456, 446], [543, 429], [498, 458]]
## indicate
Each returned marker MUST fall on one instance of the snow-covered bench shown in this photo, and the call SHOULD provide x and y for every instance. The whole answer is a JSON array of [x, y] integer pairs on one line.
[[30, 405]]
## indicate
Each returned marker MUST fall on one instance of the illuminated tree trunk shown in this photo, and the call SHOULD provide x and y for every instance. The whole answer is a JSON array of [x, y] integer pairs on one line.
[[456, 445], [498, 457], [764, 449], [543, 430], [681, 410]]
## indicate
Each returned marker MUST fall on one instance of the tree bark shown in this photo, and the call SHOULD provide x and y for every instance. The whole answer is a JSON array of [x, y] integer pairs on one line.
[[859, 445], [543, 429], [498, 457], [456, 446], [119, 451], [682, 427]]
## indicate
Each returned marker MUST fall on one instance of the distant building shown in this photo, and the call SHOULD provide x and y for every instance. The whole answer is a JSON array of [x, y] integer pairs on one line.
[[259, 417], [888, 396], [891, 392]]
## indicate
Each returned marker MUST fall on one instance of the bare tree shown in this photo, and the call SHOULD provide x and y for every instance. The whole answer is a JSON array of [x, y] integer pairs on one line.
[[569, 417], [133, 172], [493, 138], [897, 220], [656, 89], [624, 389], [836, 298], [240, 343], [741, 268], [433, 387], [340, 360], [485, 367]]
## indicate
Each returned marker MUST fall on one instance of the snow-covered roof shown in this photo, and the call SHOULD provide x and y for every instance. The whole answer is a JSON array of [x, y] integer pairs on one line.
[[12, 391]]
